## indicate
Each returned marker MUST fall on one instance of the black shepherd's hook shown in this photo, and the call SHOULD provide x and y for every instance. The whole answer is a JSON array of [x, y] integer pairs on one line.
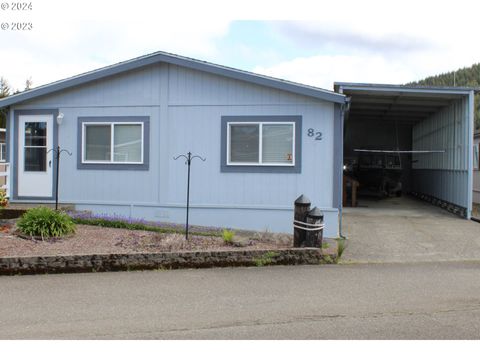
[[188, 161], [57, 152]]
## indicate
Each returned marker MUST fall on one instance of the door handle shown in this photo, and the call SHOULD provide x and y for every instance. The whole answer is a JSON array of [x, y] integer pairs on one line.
[[49, 163]]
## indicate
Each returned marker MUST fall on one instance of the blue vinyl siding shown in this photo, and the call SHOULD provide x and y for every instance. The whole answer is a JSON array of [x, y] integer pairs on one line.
[[185, 108]]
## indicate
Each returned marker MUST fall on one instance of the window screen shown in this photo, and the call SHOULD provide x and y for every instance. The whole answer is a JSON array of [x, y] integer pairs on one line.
[[127, 143], [97, 142], [277, 143], [244, 143]]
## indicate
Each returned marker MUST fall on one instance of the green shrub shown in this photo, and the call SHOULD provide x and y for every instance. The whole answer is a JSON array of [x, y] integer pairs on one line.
[[45, 223], [227, 236]]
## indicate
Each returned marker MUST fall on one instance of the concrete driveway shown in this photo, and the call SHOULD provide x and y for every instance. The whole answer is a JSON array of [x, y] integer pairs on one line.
[[407, 230]]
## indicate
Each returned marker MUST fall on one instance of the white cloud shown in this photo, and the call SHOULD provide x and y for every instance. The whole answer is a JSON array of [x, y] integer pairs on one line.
[[388, 45], [324, 70], [69, 38], [370, 41]]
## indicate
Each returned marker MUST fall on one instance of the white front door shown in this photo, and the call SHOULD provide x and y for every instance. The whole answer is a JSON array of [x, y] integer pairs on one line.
[[35, 163]]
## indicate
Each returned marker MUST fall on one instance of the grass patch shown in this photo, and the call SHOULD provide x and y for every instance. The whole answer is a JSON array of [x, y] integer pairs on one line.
[[227, 236], [327, 259], [342, 245], [266, 259]]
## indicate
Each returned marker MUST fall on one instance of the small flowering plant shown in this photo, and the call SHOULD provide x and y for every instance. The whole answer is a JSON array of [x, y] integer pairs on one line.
[[3, 199]]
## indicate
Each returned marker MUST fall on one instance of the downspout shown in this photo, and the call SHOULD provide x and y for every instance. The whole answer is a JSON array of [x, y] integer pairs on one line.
[[343, 108]]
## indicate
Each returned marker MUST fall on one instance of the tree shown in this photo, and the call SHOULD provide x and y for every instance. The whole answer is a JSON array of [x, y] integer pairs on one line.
[[4, 92], [4, 87], [28, 83], [469, 76]]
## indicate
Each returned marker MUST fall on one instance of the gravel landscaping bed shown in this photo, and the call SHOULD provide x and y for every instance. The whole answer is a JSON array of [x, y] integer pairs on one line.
[[101, 240]]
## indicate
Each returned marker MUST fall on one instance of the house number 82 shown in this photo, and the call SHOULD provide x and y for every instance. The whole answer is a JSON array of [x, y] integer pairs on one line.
[[318, 134]]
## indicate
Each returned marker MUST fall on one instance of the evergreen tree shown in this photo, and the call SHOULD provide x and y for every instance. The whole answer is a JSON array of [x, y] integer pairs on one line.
[[4, 92], [4, 87], [28, 83], [469, 76]]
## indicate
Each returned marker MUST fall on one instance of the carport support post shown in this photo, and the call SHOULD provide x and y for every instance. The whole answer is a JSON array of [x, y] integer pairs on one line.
[[302, 207]]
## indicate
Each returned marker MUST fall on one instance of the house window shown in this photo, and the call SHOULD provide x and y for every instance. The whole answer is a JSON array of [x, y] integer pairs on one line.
[[113, 143], [261, 143], [475, 157]]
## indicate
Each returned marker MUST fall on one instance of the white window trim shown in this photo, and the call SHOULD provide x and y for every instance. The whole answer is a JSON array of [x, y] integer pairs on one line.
[[112, 137], [260, 146]]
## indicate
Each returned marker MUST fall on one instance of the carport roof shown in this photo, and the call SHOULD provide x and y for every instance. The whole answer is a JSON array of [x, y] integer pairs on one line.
[[408, 104], [405, 88]]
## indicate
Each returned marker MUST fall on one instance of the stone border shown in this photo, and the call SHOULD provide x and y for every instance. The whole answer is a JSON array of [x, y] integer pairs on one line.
[[450, 207], [177, 260]]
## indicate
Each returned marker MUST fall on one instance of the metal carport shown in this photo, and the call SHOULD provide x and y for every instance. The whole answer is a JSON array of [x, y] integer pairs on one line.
[[395, 117]]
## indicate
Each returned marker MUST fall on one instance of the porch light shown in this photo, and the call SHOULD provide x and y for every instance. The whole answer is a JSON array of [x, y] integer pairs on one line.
[[60, 118]]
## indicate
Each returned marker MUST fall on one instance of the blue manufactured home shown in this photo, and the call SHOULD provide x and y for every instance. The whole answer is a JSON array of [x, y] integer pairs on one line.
[[265, 140]]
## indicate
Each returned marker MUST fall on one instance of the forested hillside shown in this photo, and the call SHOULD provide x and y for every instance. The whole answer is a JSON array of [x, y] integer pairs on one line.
[[469, 76]]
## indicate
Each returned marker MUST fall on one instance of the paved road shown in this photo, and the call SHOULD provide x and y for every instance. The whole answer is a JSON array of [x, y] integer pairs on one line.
[[388, 301], [405, 229]]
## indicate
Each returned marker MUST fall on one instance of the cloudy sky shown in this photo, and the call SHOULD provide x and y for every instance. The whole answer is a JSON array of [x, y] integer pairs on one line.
[[312, 42]]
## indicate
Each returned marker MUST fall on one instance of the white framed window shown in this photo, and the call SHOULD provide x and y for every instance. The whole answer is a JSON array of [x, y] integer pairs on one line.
[[112, 142], [261, 143]]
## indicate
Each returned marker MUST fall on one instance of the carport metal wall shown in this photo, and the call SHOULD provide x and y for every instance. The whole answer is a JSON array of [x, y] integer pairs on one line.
[[446, 176]]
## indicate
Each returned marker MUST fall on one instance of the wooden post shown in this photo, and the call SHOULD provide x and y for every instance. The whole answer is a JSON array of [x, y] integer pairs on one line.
[[302, 207], [354, 192], [314, 237]]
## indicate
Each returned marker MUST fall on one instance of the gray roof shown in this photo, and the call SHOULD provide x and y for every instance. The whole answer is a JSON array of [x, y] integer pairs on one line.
[[398, 103], [405, 88], [163, 57]]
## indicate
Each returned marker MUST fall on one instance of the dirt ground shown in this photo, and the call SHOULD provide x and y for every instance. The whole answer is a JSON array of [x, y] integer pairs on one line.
[[99, 240]]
